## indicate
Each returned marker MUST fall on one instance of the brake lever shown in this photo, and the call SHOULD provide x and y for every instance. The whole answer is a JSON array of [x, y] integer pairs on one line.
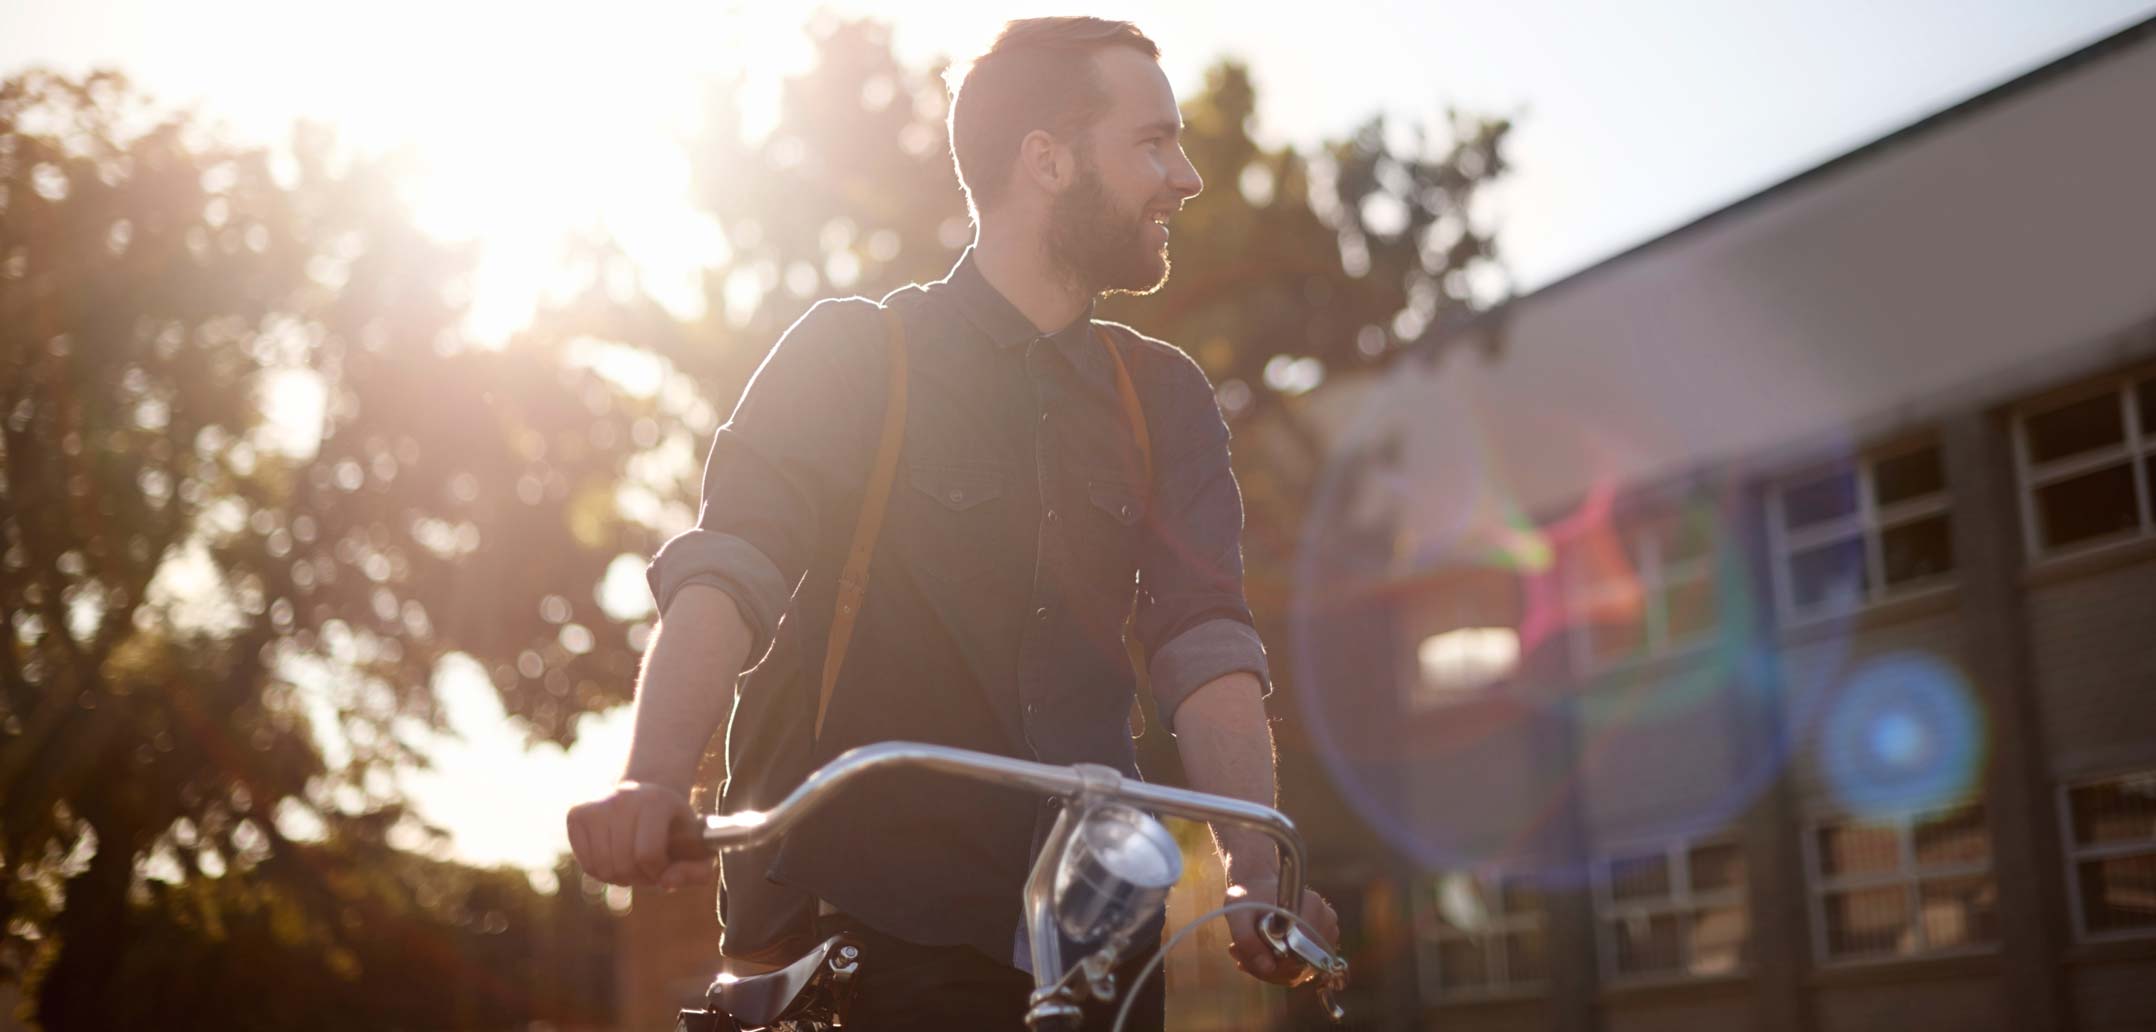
[[1330, 970]]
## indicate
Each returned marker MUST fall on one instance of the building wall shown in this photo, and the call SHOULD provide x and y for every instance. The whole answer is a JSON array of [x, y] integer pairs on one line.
[[1910, 1000], [1716, 1005], [2115, 995], [2090, 632], [1659, 752]]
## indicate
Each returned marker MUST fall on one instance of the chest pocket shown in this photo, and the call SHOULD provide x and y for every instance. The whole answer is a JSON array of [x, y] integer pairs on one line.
[[1114, 511], [955, 516]]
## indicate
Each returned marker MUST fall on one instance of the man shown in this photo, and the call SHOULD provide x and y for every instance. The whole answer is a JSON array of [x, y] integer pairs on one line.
[[1017, 529]]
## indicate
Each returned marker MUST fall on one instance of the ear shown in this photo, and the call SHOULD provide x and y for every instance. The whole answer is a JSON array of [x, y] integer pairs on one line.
[[1046, 161]]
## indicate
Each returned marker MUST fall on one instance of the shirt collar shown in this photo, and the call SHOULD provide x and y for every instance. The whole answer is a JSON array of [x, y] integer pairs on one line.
[[1000, 321]]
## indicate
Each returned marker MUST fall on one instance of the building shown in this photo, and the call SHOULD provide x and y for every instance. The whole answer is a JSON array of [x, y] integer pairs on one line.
[[1758, 629]]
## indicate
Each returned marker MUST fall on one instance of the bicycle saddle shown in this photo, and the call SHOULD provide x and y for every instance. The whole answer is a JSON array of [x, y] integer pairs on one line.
[[758, 1000]]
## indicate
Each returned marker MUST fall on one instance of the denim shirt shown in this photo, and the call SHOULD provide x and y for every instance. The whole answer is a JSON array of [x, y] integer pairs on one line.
[[1020, 533]]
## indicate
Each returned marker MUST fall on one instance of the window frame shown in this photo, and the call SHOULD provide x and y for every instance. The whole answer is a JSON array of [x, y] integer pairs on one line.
[[1642, 548], [1683, 900], [2076, 855], [2135, 447], [1868, 523], [1429, 932], [1906, 874]]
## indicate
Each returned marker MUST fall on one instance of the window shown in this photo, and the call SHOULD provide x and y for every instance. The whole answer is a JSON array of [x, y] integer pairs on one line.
[[1855, 535], [1903, 886], [1469, 643], [1480, 935], [2085, 467], [1676, 910], [1465, 660], [2111, 848], [1647, 588]]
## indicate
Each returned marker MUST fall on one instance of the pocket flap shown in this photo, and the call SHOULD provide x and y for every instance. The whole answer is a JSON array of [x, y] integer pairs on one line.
[[957, 489], [1118, 500]]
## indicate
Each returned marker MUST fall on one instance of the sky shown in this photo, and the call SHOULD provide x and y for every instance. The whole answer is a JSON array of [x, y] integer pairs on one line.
[[1633, 118]]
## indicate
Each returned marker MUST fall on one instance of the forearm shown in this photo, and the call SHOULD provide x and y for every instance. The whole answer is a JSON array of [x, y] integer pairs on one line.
[[1227, 749], [685, 690]]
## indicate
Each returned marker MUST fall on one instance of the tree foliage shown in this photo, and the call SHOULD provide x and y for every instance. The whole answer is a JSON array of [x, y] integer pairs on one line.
[[198, 597]]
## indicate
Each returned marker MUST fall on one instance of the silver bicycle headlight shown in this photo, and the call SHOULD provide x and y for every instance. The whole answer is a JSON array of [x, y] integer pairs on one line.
[[1115, 873]]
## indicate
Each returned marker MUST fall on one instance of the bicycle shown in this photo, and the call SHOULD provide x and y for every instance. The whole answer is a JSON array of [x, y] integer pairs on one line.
[[1106, 866]]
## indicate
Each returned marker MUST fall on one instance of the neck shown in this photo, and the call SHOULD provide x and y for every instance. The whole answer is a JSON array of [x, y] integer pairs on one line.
[[1014, 262]]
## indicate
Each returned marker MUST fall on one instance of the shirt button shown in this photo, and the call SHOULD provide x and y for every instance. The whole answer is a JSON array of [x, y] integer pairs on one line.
[[956, 496], [1125, 511], [1041, 613], [1044, 417], [1052, 517]]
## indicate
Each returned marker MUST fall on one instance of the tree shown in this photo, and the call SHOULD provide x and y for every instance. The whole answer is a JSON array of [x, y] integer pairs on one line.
[[198, 596]]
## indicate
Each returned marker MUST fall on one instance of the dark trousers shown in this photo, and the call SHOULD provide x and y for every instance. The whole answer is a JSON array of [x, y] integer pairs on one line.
[[904, 987]]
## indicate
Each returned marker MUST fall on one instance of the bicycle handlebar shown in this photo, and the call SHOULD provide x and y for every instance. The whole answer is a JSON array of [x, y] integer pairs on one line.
[[722, 832]]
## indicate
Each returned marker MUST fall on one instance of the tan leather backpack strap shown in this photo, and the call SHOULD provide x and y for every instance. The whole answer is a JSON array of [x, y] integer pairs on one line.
[[1132, 410], [1135, 414], [853, 581]]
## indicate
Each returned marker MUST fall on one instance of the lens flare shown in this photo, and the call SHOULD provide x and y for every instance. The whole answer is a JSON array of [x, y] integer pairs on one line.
[[1902, 733], [1642, 650]]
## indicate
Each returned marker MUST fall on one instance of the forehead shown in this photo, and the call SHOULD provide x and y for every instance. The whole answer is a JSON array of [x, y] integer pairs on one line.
[[1138, 91]]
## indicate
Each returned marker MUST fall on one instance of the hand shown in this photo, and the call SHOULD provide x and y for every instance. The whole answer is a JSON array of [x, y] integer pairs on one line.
[[621, 839], [1248, 946]]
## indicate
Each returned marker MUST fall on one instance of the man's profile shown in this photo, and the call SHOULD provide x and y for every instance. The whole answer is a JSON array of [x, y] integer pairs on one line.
[[1060, 478]]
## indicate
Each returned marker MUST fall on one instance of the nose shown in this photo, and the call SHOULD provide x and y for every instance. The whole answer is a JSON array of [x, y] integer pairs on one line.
[[1183, 176]]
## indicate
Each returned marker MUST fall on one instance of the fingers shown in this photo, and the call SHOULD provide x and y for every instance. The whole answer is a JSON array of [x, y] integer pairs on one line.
[[685, 874], [622, 839]]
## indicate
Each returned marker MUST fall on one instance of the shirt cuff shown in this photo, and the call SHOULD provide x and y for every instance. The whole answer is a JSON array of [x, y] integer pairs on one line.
[[729, 564], [1196, 657]]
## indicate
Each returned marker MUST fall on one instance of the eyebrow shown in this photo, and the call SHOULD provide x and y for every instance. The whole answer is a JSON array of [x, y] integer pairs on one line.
[[1164, 127]]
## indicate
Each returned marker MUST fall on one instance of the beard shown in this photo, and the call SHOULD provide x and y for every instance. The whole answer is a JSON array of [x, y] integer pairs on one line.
[[1098, 247]]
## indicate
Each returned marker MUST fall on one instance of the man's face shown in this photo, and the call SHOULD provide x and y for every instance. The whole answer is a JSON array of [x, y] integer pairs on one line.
[[1107, 231]]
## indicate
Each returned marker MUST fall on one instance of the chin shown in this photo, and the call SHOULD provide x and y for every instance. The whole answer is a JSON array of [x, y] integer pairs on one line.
[[1144, 276]]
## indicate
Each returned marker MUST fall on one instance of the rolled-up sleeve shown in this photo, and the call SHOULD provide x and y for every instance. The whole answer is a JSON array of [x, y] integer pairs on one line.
[[796, 445], [1192, 617]]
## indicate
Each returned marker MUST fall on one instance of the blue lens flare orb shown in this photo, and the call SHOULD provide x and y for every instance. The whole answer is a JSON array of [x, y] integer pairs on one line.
[[1902, 732]]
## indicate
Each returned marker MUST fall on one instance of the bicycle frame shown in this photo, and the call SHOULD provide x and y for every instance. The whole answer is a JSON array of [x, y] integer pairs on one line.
[[1054, 999]]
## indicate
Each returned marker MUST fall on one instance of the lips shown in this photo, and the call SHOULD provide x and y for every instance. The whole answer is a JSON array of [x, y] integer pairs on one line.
[[1158, 219]]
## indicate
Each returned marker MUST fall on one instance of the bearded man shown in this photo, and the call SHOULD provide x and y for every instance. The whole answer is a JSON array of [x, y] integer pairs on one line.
[[1033, 519]]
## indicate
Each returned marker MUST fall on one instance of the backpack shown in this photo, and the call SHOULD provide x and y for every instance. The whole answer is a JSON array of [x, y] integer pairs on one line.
[[773, 730]]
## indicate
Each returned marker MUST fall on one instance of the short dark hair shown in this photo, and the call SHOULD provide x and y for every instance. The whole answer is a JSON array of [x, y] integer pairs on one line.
[[1037, 75]]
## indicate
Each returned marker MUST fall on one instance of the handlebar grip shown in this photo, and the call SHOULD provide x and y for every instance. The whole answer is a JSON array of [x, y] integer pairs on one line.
[[685, 841]]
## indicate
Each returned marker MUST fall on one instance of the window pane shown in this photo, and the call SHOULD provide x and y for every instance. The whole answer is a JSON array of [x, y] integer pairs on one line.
[[2119, 894], [1691, 607], [1647, 943], [1612, 638], [1918, 549], [1831, 497], [1717, 867], [2087, 507], [2085, 425], [1908, 476], [1526, 957], [1858, 849], [1687, 537], [1952, 839], [1721, 940], [1830, 576], [2115, 811], [2145, 391], [1461, 964], [1642, 877], [1868, 922], [1959, 911]]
